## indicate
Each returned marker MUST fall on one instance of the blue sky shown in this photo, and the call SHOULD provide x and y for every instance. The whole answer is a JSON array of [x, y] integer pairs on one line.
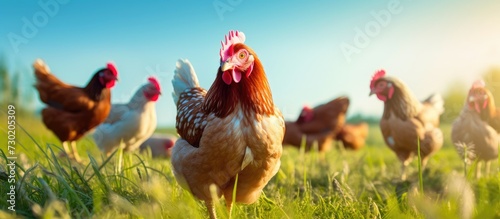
[[426, 44]]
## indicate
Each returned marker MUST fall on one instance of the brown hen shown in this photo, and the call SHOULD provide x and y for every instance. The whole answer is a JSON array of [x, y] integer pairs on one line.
[[318, 125], [229, 135], [472, 132], [407, 122], [353, 136]]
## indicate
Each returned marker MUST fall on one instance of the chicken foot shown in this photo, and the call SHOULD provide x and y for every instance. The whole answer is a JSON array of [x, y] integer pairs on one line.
[[211, 209], [71, 153]]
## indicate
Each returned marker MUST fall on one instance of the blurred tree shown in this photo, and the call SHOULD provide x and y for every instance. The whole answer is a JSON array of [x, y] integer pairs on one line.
[[4, 82], [454, 99], [13, 91], [492, 79]]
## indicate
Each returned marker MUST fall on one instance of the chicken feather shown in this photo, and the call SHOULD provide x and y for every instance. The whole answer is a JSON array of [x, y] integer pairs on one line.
[[233, 129], [407, 122], [72, 111], [129, 125], [475, 127]]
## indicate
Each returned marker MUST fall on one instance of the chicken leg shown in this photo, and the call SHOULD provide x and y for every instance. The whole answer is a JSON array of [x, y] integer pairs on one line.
[[403, 171], [488, 165], [66, 151], [478, 169], [76, 156]]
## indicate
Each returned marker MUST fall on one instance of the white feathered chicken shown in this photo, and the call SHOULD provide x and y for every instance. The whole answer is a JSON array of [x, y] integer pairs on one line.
[[129, 125]]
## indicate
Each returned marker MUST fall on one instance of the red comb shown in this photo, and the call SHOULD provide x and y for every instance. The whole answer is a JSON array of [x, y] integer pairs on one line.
[[478, 84], [306, 107], [111, 66], [232, 38], [379, 74], [154, 81], [168, 144]]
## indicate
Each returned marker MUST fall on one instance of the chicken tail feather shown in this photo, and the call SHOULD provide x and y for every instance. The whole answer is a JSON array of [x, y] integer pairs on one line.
[[40, 67], [437, 102], [184, 78]]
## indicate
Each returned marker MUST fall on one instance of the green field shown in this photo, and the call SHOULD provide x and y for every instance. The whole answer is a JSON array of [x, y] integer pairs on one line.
[[338, 184]]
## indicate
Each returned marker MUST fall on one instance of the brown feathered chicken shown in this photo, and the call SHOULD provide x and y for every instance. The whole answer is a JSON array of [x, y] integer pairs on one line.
[[472, 129], [72, 111], [328, 116], [407, 121], [353, 136], [294, 137], [232, 132], [319, 124]]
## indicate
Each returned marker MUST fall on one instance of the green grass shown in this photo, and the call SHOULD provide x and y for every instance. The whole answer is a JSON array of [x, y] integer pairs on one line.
[[338, 184]]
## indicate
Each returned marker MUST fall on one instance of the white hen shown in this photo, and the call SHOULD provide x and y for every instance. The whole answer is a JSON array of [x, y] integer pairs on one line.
[[129, 125]]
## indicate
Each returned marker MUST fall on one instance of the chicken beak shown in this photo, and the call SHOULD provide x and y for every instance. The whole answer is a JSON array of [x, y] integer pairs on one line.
[[371, 92], [226, 66]]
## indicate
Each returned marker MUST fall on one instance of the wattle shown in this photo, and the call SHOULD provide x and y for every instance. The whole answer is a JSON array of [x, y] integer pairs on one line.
[[110, 84]]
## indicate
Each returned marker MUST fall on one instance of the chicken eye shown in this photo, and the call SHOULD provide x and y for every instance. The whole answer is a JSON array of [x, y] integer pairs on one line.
[[242, 55]]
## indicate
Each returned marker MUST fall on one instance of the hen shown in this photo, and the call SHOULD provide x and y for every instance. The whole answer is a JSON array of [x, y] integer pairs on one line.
[[472, 129], [72, 111], [129, 125], [328, 116], [320, 124], [406, 122], [353, 136], [229, 135], [160, 145]]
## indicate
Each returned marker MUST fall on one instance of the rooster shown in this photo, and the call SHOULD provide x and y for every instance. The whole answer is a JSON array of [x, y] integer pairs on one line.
[[160, 145], [73, 111], [353, 136], [319, 124], [229, 135], [129, 125], [472, 129], [407, 122]]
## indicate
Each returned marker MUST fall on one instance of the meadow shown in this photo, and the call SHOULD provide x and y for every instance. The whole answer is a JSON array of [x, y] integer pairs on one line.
[[336, 184]]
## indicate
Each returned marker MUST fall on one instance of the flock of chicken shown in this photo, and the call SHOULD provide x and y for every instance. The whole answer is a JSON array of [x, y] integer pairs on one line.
[[237, 122]]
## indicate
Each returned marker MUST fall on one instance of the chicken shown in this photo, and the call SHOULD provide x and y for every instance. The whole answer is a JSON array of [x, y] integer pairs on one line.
[[472, 129], [229, 135], [73, 111], [406, 122], [320, 124], [353, 136], [160, 145], [129, 125], [294, 137], [328, 116]]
